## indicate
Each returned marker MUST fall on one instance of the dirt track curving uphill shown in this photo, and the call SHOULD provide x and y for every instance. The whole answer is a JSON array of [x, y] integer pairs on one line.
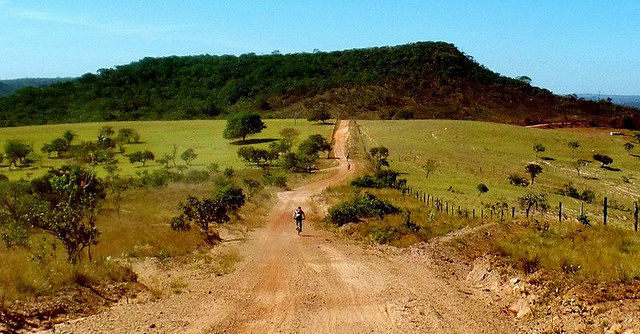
[[315, 283]]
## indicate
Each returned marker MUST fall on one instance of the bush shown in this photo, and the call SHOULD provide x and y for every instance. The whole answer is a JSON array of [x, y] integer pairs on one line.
[[518, 180], [570, 190], [228, 172], [362, 206], [380, 179], [275, 179], [482, 188], [196, 176]]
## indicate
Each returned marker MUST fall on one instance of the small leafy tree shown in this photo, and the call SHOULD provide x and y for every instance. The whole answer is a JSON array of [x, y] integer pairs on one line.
[[228, 172], [106, 131], [533, 170], [289, 136], [230, 196], [603, 159], [188, 156], [534, 201], [429, 166], [16, 151], [141, 156], [313, 145], [579, 164], [164, 160], [538, 148], [71, 198], [242, 124], [128, 136], [380, 156], [628, 147], [16, 208], [69, 136], [58, 145], [573, 145], [320, 114], [518, 180]]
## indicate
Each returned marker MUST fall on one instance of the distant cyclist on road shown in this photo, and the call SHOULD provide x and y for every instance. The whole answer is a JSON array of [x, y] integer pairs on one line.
[[298, 216]]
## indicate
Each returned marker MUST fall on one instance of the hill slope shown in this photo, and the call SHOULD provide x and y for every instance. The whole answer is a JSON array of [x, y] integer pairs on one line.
[[8, 87], [422, 80]]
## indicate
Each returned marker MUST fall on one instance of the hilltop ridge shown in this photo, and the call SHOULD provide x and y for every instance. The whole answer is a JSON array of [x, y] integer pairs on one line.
[[418, 80]]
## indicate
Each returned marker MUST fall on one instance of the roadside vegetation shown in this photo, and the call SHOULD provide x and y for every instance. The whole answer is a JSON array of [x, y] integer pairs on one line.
[[104, 203]]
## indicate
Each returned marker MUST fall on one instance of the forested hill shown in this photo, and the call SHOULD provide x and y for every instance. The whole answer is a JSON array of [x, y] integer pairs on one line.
[[419, 80], [8, 87]]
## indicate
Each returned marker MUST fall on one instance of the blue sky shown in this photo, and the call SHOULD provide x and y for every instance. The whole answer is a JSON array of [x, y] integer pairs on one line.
[[566, 46]]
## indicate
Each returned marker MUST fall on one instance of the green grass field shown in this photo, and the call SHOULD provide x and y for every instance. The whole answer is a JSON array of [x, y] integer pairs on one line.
[[204, 136], [468, 153]]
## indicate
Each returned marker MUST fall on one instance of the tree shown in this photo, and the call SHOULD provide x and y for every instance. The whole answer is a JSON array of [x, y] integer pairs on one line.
[[573, 145], [16, 151], [533, 170], [230, 196], [141, 156], [202, 213], [320, 114], [525, 79], [16, 208], [188, 156], [579, 164], [58, 145], [313, 145], [106, 131], [69, 136], [164, 160], [538, 148], [71, 198], [128, 136], [290, 136], [380, 155], [603, 159], [534, 201], [258, 156], [429, 167], [628, 147], [298, 163], [242, 124]]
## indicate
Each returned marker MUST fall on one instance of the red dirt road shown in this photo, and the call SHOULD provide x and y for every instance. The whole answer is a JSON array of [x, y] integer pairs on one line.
[[315, 283]]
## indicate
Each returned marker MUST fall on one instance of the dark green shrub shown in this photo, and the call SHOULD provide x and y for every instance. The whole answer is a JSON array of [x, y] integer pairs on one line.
[[518, 180], [362, 206], [343, 213], [386, 178], [275, 179], [196, 176]]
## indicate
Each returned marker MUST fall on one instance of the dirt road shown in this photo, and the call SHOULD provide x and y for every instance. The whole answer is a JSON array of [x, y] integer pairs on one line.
[[316, 283]]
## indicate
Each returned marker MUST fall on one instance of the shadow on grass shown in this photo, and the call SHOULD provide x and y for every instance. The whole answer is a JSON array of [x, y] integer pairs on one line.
[[253, 141], [324, 124], [548, 158], [613, 169]]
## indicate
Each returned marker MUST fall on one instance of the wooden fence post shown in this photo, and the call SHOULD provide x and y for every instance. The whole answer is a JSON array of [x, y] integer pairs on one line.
[[513, 212], [473, 215], [482, 213], [560, 212], [604, 210], [501, 214], [635, 216]]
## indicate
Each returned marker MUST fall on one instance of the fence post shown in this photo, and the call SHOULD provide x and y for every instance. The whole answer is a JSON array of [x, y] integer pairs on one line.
[[482, 213], [446, 206], [513, 212], [582, 208], [635, 216], [459, 212], [473, 215], [604, 210], [428, 198], [502, 214], [560, 212]]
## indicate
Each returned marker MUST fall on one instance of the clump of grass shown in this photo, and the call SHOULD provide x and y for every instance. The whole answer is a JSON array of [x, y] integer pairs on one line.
[[178, 285]]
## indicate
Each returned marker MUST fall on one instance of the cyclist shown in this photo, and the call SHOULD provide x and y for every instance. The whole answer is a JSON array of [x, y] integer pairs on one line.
[[298, 216]]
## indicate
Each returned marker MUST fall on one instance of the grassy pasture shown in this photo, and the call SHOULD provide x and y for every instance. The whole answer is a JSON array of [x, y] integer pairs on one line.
[[204, 136], [468, 153]]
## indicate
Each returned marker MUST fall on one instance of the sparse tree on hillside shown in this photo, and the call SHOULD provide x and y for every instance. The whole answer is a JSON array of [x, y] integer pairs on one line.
[[242, 124], [16, 151], [538, 148], [128, 136], [58, 145], [164, 160], [320, 114], [141, 156], [69, 136], [579, 164], [573, 145], [71, 198], [429, 166], [534, 201], [603, 159], [188, 156], [525, 79], [380, 156], [533, 170], [313, 145], [106, 131]]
